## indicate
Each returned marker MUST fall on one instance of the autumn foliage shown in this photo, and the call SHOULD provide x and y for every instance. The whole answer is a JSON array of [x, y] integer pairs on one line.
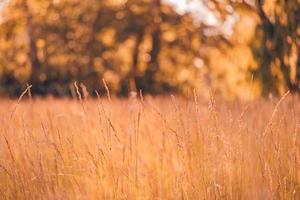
[[231, 46]]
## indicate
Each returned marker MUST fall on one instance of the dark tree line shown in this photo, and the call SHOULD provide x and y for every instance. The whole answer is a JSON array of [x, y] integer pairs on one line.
[[141, 45]]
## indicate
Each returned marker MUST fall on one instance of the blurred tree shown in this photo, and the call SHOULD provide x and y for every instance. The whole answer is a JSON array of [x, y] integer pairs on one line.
[[158, 30], [58, 42], [276, 42], [278, 48]]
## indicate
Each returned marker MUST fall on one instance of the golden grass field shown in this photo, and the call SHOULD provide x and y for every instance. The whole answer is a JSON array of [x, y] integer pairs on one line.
[[154, 148]]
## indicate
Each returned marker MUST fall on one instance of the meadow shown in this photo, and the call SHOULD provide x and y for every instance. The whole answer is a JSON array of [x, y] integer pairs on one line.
[[150, 148]]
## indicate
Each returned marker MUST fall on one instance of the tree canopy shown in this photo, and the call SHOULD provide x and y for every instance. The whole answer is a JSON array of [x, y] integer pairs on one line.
[[147, 45]]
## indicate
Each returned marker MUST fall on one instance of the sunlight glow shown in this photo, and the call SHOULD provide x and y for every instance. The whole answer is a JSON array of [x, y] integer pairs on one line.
[[197, 8], [202, 14]]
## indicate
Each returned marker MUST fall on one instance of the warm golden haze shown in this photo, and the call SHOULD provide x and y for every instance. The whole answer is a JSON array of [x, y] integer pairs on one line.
[[149, 99]]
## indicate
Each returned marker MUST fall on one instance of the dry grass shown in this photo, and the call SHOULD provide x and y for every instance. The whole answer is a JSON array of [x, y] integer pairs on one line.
[[160, 148]]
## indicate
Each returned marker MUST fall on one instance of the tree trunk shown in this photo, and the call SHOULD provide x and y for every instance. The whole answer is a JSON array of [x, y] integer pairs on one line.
[[276, 51], [133, 85], [32, 54], [156, 47], [88, 74]]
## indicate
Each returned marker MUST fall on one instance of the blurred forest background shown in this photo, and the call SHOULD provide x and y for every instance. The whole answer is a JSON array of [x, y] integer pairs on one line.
[[239, 48]]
